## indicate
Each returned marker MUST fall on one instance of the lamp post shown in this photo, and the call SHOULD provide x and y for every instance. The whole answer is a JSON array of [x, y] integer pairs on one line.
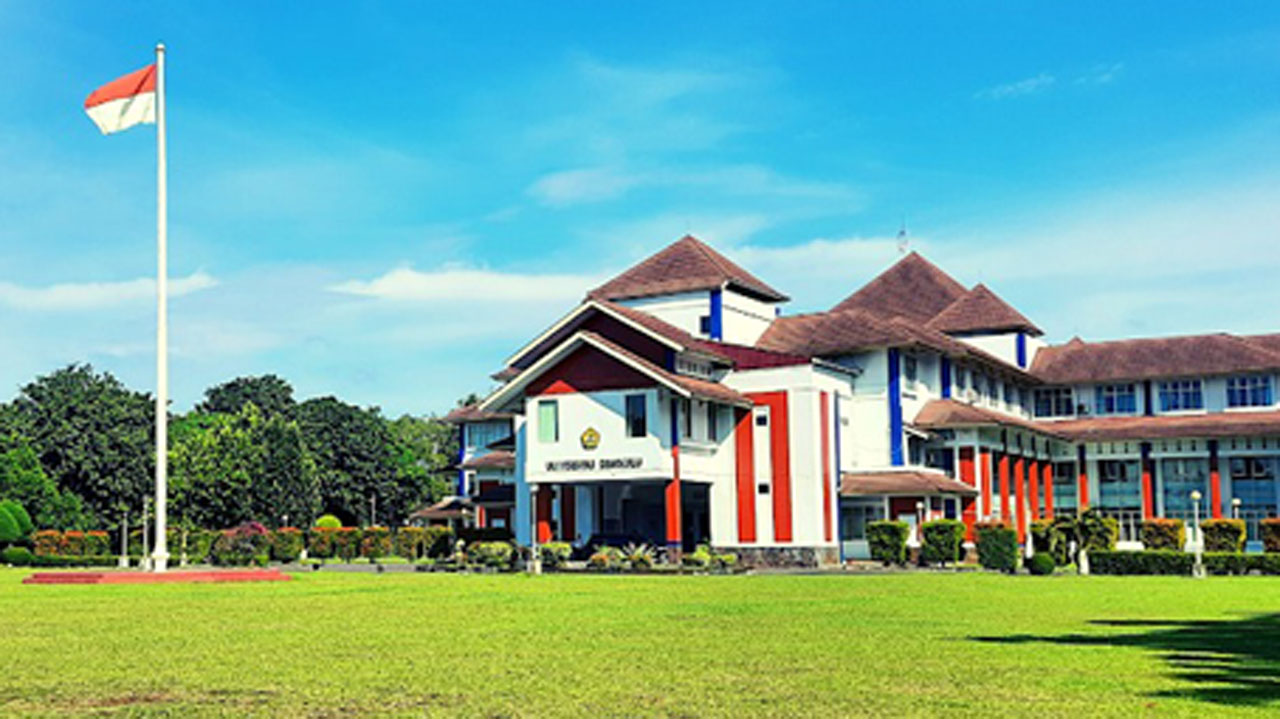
[[1197, 570], [535, 556], [1235, 507]]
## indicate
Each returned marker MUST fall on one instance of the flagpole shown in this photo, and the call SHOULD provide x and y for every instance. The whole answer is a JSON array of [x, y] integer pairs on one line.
[[160, 557]]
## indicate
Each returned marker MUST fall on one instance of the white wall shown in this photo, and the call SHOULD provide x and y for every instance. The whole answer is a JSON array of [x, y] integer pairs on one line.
[[604, 412], [684, 310], [745, 319]]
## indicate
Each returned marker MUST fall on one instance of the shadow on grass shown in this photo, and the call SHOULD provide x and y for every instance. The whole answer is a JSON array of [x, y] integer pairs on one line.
[[1231, 661]]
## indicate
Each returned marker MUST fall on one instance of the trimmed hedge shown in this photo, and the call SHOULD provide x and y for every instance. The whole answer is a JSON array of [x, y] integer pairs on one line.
[[555, 554], [887, 540], [408, 542], [375, 542], [1041, 564], [997, 546], [328, 521], [1223, 535], [22, 557], [9, 532], [1236, 563], [1270, 531], [15, 510], [438, 541], [472, 535], [17, 556], [1096, 532], [250, 543], [943, 539], [286, 544], [321, 542], [1148, 562], [491, 554], [1163, 534], [72, 544], [96, 543], [346, 543], [47, 541]]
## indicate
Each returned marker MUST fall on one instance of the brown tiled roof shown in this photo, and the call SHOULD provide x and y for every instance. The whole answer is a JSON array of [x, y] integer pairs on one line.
[[499, 459], [744, 357], [687, 265], [1215, 424], [908, 481], [447, 508], [1217, 354], [981, 310], [666, 329], [953, 414], [472, 413], [698, 387], [913, 288]]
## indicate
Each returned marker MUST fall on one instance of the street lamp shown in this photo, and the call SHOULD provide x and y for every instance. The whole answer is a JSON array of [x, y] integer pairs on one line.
[[920, 523], [1197, 570], [1235, 507]]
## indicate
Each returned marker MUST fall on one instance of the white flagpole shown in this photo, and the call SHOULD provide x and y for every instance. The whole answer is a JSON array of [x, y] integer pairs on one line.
[[160, 557]]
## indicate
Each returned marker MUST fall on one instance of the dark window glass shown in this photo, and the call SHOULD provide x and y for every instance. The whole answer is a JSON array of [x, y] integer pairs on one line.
[[637, 420]]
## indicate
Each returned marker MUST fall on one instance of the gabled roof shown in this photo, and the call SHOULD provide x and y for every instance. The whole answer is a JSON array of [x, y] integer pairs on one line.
[[981, 310], [952, 414], [500, 459], [1150, 358], [1207, 425], [913, 288], [473, 413], [687, 265], [900, 482]]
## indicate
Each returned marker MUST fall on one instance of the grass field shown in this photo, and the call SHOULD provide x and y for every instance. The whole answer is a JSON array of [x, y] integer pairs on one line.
[[342, 645]]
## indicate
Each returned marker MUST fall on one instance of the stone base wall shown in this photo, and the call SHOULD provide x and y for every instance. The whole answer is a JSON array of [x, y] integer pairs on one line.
[[785, 557]]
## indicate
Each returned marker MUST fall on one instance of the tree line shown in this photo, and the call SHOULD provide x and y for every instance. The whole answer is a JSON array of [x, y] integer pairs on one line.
[[77, 450]]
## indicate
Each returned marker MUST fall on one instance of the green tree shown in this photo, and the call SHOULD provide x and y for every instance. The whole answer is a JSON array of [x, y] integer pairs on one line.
[[286, 485], [424, 449], [24, 480], [93, 437], [214, 462], [272, 395], [354, 458]]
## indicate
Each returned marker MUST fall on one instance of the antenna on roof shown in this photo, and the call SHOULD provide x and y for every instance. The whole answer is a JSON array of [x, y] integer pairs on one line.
[[904, 242]]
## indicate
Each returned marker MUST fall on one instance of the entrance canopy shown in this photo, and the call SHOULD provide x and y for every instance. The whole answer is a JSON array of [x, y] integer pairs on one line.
[[900, 482]]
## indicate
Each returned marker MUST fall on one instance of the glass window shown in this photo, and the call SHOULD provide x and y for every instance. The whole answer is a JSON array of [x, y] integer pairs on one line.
[[686, 419], [1054, 402], [1115, 399], [1065, 487], [713, 422], [1120, 484], [704, 324], [548, 421], [1253, 482], [637, 418], [855, 514], [1181, 394], [910, 367], [1010, 393], [962, 377], [1181, 477], [1249, 391]]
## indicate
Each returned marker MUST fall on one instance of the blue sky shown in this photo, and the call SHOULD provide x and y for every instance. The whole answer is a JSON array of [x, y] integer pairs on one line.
[[382, 200]]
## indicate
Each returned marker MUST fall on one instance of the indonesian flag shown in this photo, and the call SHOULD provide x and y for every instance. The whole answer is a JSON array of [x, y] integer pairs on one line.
[[124, 102]]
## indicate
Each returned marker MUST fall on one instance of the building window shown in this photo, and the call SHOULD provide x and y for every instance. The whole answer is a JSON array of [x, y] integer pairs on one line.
[[962, 377], [910, 367], [1054, 402], [713, 422], [1119, 485], [1010, 393], [1115, 399], [686, 419], [548, 421], [1249, 391], [704, 325], [1065, 487], [1179, 478], [762, 416], [637, 420], [1180, 395]]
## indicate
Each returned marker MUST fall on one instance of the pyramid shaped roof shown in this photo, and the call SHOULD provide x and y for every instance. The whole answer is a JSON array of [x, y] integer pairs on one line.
[[914, 289], [687, 265], [981, 310]]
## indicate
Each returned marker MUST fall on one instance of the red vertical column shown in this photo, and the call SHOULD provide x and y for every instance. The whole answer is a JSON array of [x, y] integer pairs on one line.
[[984, 467], [675, 532], [1046, 476], [1033, 471], [1020, 498], [1004, 487], [1215, 481], [568, 512], [745, 469], [1082, 479], [968, 476], [544, 513], [1148, 486], [824, 422]]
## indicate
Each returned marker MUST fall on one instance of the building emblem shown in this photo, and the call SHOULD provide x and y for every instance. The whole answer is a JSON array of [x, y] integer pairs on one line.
[[590, 438]]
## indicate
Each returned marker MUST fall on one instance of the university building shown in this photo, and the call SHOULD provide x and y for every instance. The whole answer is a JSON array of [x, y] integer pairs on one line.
[[677, 404]]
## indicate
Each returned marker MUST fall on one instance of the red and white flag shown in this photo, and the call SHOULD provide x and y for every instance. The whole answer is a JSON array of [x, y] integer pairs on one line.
[[124, 102]]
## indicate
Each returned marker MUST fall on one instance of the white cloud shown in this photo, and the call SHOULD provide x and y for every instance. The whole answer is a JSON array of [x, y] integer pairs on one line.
[[594, 184], [571, 187], [96, 295], [1101, 74], [405, 284], [1026, 86]]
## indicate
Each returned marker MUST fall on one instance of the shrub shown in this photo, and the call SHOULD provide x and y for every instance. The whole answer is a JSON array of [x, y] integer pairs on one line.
[[943, 539], [1054, 538], [73, 544], [1097, 532], [250, 543], [18, 557], [555, 554], [25, 527], [1148, 562], [375, 542], [328, 521], [1223, 535], [9, 532], [408, 542], [1237, 563], [1270, 531], [699, 558], [471, 535], [887, 540], [437, 541], [346, 543], [641, 556], [1163, 534], [200, 544], [98, 544], [47, 541], [605, 557], [321, 543], [724, 560], [491, 554], [1041, 564], [997, 546], [286, 544]]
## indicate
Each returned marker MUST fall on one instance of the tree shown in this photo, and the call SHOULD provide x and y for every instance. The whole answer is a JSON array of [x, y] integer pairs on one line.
[[354, 460], [214, 462], [93, 437], [286, 485], [424, 447], [23, 480], [272, 395]]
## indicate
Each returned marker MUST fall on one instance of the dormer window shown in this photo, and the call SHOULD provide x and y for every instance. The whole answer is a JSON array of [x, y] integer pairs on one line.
[[1181, 395], [1249, 391], [1115, 399]]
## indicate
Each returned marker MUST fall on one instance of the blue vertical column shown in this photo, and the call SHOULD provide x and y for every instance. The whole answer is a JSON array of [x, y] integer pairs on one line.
[[945, 376], [462, 456], [717, 314], [896, 455]]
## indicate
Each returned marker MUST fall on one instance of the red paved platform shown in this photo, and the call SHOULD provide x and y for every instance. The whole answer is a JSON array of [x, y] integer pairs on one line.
[[178, 577]]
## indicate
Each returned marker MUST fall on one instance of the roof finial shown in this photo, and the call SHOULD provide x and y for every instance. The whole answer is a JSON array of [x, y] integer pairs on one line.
[[904, 242]]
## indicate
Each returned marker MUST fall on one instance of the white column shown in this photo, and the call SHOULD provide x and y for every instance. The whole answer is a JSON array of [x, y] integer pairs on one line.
[[160, 557]]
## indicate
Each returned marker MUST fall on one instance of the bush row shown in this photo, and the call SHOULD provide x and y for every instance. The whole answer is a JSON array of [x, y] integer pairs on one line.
[[1181, 563], [23, 557]]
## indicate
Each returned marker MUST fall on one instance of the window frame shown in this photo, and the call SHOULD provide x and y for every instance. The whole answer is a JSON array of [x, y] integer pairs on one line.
[[554, 406], [1117, 398], [633, 401], [1250, 390], [1180, 395]]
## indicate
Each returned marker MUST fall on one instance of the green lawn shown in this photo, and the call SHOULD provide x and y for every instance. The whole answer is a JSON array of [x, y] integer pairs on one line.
[[343, 645]]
